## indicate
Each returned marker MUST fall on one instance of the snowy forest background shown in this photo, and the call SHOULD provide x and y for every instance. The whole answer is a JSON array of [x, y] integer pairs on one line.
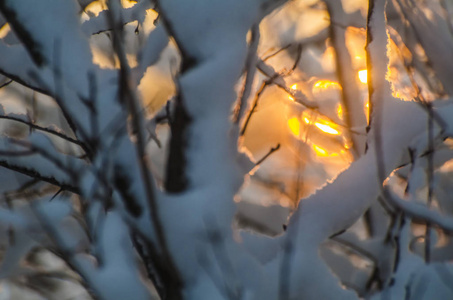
[[241, 149]]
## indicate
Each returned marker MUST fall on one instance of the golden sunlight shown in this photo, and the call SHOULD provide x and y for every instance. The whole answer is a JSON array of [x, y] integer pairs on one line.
[[94, 8], [4, 30], [363, 76], [323, 152], [320, 151], [128, 3], [367, 111], [293, 88], [322, 123], [326, 128], [340, 111], [326, 84], [294, 126]]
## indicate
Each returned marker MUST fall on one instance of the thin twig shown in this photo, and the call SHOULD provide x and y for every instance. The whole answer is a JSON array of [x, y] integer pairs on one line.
[[273, 149], [35, 174], [6, 84], [430, 175], [17, 153], [255, 104], [298, 57], [250, 63], [276, 52], [278, 80], [44, 129], [59, 93]]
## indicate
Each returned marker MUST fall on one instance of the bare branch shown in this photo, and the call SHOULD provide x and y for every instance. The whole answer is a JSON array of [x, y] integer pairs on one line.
[[44, 129], [268, 154], [250, 69]]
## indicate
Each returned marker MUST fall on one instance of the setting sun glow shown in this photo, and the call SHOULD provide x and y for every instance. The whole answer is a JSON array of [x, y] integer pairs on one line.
[[319, 151], [325, 84], [297, 124], [326, 128]]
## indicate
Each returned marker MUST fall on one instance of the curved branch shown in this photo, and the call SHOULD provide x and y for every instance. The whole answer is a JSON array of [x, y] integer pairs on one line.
[[421, 212]]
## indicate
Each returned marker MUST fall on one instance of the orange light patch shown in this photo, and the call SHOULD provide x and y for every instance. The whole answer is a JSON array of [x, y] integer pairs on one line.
[[340, 112], [128, 3], [4, 30], [320, 151], [294, 126], [326, 128], [363, 76], [293, 88], [367, 110], [327, 84], [323, 152]]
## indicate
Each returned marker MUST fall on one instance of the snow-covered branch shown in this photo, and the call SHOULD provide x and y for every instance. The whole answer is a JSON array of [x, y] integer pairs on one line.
[[100, 23]]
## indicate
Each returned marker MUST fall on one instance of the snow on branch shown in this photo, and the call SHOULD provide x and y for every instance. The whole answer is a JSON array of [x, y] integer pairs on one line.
[[42, 162], [352, 109], [116, 277], [100, 23], [434, 35], [17, 56], [49, 129], [41, 36], [414, 209], [339, 204]]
